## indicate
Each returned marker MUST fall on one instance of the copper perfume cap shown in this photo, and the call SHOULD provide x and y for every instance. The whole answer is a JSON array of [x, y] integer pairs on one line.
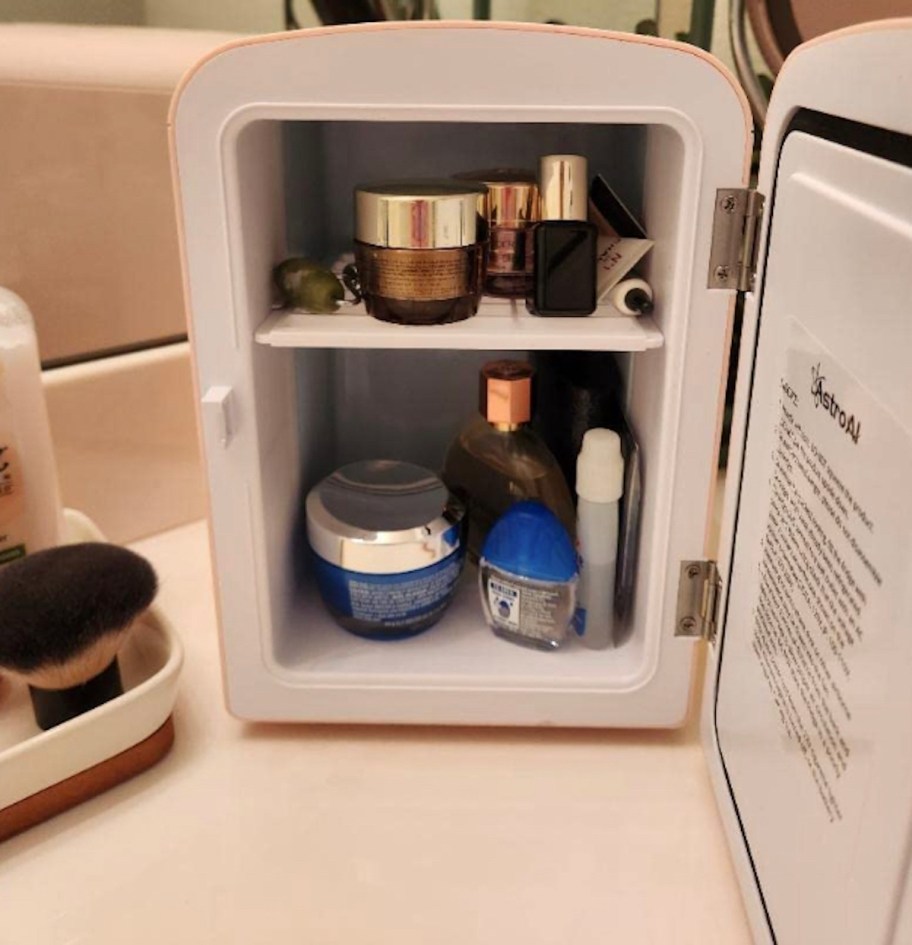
[[564, 187], [506, 393], [512, 197], [419, 214]]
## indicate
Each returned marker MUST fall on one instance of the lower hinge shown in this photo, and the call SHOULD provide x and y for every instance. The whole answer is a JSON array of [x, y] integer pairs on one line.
[[698, 600]]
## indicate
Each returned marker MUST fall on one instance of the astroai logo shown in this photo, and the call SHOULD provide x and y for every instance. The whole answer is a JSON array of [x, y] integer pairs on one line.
[[827, 399]]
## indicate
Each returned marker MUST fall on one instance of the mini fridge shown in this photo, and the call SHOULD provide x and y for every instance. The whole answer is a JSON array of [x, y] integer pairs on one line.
[[806, 611]]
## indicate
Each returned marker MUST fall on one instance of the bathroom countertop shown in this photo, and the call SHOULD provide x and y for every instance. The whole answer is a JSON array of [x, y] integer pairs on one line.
[[268, 833]]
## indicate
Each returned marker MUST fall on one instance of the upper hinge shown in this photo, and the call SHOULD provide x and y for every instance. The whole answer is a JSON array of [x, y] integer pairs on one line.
[[735, 239], [698, 600]]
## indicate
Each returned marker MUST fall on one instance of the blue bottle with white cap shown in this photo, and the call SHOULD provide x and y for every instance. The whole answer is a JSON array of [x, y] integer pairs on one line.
[[527, 577]]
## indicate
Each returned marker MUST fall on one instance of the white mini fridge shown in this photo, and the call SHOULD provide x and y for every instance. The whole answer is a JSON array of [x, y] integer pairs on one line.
[[807, 609]]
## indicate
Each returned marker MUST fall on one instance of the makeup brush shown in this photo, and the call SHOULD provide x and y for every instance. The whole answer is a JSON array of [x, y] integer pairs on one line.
[[64, 615]]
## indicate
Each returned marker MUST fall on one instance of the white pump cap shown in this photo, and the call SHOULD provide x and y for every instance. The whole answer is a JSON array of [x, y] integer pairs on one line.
[[600, 467]]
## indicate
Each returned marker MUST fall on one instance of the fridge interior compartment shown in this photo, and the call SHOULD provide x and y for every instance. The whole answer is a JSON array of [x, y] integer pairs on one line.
[[355, 404], [281, 153], [405, 391], [407, 405]]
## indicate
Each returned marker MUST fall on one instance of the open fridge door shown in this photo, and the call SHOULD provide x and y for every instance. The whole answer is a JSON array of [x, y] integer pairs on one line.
[[808, 708]]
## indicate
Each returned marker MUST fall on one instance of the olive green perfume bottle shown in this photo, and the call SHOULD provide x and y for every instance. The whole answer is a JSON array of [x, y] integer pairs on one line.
[[497, 459]]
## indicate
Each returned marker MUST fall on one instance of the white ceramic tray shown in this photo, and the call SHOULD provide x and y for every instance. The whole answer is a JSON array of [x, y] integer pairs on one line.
[[150, 662]]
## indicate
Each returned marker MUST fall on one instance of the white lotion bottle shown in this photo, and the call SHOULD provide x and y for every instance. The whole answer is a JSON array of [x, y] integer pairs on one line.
[[599, 487], [30, 516]]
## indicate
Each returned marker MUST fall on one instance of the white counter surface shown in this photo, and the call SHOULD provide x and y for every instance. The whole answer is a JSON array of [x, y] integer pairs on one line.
[[249, 834]]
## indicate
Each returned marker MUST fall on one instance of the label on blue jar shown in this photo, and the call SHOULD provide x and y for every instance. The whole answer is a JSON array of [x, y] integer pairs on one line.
[[392, 601]]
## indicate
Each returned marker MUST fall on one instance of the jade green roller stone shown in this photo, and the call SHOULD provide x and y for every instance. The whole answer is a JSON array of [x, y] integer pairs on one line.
[[308, 286]]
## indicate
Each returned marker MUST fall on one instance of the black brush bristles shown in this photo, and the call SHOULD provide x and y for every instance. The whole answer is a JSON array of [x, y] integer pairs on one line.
[[63, 615], [54, 604]]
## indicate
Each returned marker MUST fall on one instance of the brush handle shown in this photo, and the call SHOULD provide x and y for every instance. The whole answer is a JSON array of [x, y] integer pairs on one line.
[[53, 706]]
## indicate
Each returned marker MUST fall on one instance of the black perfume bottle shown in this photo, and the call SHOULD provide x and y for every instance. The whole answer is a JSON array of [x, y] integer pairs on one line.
[[564, 242]]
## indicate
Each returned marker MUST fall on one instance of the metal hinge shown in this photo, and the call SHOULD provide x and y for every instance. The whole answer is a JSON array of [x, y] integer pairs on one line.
[[735, 239], [698, 600]]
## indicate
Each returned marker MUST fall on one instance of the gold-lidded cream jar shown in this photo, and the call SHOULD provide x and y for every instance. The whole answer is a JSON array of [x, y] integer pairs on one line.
[[511, 206], [420, 249]]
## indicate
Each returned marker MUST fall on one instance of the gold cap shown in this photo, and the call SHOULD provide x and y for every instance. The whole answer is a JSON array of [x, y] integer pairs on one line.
[[564, 187], [420, 214], [512, 198], [506, 393]]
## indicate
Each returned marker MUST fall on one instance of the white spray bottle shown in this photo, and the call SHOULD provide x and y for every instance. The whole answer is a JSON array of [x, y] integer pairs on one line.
[[599, 487], [30, 517]]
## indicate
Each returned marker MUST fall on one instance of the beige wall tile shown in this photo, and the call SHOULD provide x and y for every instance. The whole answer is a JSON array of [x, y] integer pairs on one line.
[[125, 436], [89, 234]]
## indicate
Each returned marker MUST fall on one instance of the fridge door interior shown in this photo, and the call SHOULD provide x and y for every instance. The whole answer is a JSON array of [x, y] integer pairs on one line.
[[809, 706]]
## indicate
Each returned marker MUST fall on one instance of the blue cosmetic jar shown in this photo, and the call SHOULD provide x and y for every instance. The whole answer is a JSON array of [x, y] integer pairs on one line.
[[388, 544]]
